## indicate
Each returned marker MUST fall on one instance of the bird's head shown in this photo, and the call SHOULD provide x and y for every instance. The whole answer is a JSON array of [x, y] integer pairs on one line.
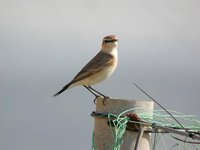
[[109, 43]]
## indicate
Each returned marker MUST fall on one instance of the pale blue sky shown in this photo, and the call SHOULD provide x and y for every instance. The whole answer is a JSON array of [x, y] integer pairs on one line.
[[44, 44]]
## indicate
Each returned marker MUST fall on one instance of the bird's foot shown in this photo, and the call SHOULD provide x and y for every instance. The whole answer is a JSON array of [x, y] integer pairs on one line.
[[97, 94], [95, 99], [104, 100]]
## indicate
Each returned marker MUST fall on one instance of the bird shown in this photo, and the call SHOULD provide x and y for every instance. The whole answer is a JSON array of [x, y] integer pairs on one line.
[[98, 68]]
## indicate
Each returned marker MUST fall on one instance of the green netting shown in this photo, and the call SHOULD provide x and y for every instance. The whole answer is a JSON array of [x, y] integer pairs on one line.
[[118, 129], [159, 117]]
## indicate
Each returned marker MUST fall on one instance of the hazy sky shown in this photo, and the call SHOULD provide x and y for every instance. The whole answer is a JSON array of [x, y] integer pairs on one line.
[[43, 44]]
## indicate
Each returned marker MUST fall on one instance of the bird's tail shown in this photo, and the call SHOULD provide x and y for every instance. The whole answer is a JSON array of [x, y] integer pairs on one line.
[[63, 89]]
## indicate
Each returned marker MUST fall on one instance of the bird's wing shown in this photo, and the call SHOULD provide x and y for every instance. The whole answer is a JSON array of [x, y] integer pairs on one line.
[[101, 61]]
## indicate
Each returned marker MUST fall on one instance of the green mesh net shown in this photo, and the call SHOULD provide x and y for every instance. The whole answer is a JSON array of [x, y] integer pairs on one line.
[[159, 117]]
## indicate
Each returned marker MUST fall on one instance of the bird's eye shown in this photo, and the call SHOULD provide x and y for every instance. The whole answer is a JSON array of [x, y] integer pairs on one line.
[[107, 41]]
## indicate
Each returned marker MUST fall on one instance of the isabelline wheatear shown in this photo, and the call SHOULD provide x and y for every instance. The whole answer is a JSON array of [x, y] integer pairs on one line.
[[99, 68]]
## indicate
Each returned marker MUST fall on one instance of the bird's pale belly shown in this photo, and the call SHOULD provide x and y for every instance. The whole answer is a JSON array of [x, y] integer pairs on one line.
[[98, 77]]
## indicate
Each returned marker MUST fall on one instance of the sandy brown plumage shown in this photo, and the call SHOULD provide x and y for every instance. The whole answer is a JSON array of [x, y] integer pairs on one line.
[[99, 68]]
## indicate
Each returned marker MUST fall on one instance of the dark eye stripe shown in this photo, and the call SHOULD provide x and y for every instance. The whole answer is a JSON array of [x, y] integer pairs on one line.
[[109, 41]]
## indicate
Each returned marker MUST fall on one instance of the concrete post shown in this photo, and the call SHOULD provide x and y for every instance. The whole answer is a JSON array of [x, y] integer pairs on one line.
[[103, 137]]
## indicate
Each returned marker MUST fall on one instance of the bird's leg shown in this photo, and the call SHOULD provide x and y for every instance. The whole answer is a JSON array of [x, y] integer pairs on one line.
[[91, 91], [97, 92], [104, 97], [96, 96]]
